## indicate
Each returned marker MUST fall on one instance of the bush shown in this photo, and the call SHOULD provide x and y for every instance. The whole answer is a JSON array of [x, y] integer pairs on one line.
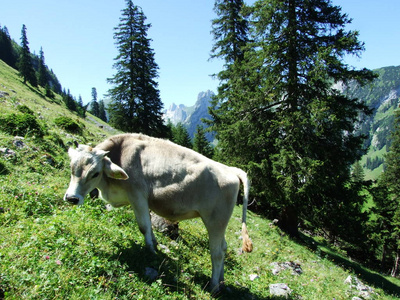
[[3, 168], [21, 124], [25, 110], [68, 124]]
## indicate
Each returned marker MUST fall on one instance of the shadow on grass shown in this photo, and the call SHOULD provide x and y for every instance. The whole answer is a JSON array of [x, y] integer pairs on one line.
[[369, 277], [138, 258]]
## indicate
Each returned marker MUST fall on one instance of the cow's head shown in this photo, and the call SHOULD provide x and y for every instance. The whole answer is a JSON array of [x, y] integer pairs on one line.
[[88, 166]]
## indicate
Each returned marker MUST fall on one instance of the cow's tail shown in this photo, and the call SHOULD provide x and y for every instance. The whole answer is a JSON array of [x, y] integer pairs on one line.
[[247, 244]]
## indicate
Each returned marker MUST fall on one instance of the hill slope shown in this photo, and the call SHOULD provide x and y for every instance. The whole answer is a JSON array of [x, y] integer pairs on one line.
[[383, 97], [51, 250]]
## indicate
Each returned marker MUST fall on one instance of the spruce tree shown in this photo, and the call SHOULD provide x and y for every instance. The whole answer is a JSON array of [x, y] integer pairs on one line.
[[358, 174], [102, 111], [94, 105], [7, 52], [200, 142], [388, 209], [283, 118], [181, 136], [136, 105], [43, 76], [25, 65]]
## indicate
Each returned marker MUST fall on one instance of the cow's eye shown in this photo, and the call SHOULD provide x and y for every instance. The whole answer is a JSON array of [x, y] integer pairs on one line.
[[95, 175]]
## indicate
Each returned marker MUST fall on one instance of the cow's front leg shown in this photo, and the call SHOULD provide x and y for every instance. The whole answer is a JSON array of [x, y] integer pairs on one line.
[[142, 214]]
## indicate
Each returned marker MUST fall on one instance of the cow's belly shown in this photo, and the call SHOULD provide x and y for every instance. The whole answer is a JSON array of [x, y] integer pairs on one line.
[[174, 215], [173, 205]]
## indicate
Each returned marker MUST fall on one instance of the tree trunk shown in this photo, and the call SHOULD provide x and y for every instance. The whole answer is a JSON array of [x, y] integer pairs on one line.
[[396, 264], [289, 221]]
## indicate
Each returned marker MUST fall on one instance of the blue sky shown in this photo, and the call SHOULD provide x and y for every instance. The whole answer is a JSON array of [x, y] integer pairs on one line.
[[77, 40]]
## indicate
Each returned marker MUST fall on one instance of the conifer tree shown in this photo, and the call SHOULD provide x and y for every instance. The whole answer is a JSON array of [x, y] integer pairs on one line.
[[43, 76], [136, 105], [102, 111], [283, 118], [7, 52], [200, 142], [94, 105], [181, 136], [358, 174], [388, 208], [25, 66]]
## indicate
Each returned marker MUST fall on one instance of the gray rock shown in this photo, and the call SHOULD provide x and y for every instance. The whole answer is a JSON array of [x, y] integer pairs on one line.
[[3, 94], [278, 267], [7, 152], [163, 225], [280, 290]]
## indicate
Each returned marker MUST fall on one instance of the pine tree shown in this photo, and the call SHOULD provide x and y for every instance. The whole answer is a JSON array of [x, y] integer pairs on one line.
[[7, 52], [358, 174], [282, 116], [136, 104], [200, 142], [230, 32], [388, 209], [102, 111], [25, 66], [181, 136], [94, 105], [43, 75]]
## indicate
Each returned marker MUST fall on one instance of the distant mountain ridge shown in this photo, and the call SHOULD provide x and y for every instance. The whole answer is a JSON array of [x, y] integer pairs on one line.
[[191, 116]]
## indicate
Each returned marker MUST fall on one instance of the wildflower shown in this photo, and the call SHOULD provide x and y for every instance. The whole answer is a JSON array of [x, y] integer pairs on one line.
[[58, 262], [47, 257]]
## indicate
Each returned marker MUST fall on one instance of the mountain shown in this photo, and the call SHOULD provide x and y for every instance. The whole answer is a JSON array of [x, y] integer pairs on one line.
[[383, 97], [191, 116]]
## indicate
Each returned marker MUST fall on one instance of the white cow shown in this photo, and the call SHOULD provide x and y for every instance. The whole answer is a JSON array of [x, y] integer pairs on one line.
[[175, 182]]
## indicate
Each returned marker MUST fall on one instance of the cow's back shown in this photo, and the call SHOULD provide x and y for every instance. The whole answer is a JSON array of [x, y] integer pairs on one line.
[[177, 181]]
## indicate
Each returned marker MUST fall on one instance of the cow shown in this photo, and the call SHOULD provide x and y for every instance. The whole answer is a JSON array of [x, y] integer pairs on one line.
[[174, 182]]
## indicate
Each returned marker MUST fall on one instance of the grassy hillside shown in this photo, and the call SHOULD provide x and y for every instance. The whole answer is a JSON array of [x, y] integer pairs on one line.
[[51, 250]]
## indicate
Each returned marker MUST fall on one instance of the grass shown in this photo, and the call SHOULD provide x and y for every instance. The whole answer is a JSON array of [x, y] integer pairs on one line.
[[50, 250]]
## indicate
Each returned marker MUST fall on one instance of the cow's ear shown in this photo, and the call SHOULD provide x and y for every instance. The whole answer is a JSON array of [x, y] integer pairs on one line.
[[114, 171]]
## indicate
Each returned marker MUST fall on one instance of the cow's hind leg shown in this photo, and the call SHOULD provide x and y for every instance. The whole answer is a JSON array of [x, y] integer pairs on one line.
[[216, 232]]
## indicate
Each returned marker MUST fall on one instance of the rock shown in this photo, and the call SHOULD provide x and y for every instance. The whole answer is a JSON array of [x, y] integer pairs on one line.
[[253, 277], [278, 267], [18, 142], [151, 273], [165, 226], [164, 248], [348, 280], [3, 94], [280, 290], [7, 152], [364, 291], [273, 223]]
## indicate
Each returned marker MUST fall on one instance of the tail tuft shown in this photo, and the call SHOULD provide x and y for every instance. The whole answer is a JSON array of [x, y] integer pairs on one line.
[[247, 244]]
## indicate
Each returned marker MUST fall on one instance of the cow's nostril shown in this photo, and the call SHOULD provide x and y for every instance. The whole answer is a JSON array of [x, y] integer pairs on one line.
[[72, 200]]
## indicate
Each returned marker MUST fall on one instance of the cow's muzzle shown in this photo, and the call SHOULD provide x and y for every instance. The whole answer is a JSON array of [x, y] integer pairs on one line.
[[72, 199]]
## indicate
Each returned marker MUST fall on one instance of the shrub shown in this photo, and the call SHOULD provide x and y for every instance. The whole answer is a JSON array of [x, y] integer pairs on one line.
[[68, 124], [3, 168], [25, 110], [21, 124]]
